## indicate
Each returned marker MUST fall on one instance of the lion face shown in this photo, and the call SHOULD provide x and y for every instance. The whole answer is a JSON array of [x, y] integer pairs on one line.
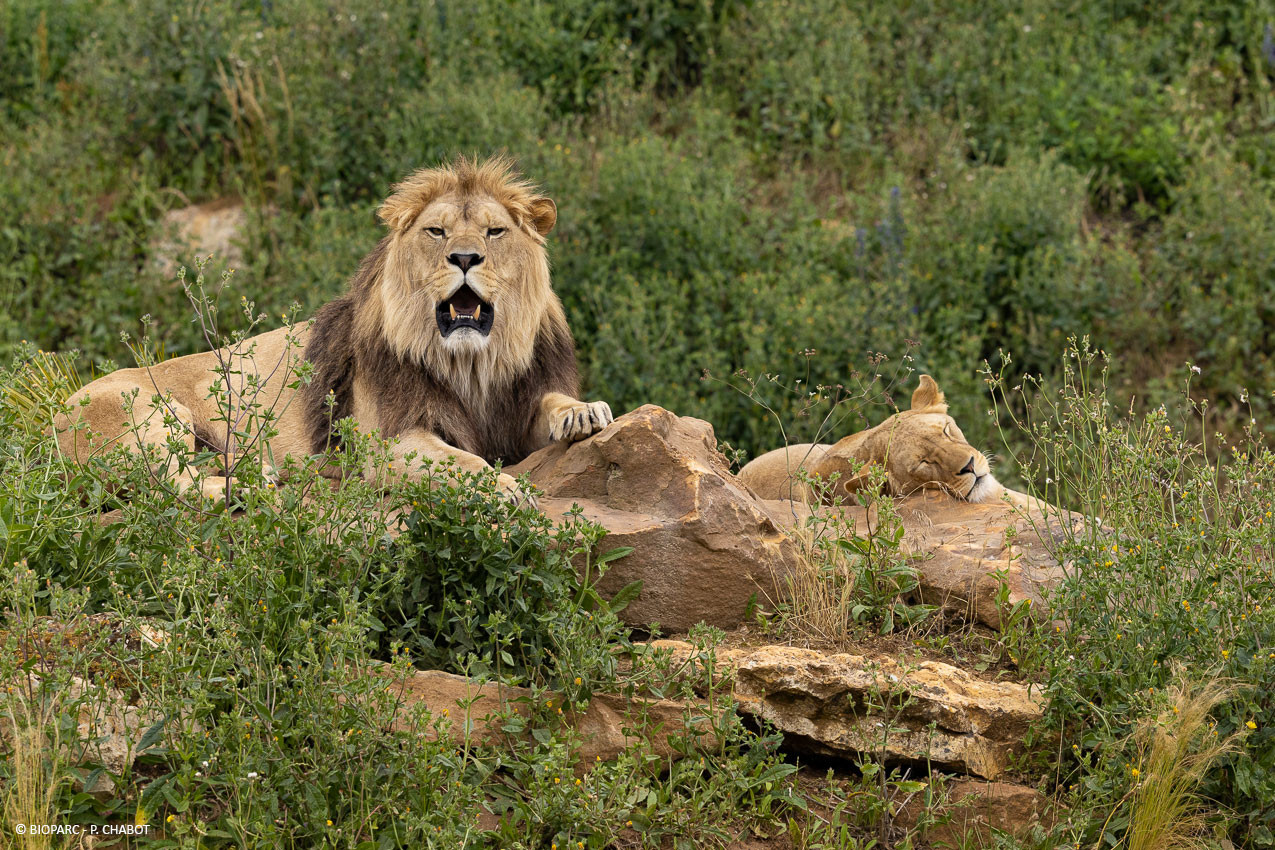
[[929, 451], [475, 260], [921, 448], [466, 284]]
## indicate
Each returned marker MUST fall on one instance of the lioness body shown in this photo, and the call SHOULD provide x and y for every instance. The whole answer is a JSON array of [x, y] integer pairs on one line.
[[921, 448], [450, 341]]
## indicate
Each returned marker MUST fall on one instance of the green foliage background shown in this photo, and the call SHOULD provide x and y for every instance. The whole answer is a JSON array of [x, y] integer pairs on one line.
[[738, 181]]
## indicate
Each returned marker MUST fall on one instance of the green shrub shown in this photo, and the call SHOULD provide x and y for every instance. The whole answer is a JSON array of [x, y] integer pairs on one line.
[[1165, 573], [250, 626], [1218, 274], [797, 76]]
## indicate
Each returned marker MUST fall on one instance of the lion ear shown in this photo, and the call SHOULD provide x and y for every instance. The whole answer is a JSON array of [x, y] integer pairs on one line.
[[398, 212], [543, 213], [928, 395]]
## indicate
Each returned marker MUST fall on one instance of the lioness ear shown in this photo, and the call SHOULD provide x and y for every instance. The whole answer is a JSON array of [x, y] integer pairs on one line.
[[928, 395], [852, 484], [544, 214]]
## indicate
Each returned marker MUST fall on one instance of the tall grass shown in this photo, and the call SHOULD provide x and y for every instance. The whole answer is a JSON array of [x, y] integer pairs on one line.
[[31, 793], [1176, 748], [852, 572]]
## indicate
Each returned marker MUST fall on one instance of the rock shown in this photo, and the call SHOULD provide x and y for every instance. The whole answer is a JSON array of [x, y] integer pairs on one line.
[[213, 228], [610, 725], [109, 728], [473, 711], [964, 551], [972, 809], [833, 705], [704, 547]]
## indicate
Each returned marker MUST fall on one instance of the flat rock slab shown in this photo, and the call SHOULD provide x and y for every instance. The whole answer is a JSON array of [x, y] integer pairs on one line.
[[704, 547], [855, 706], [610, 725], [975, 810]]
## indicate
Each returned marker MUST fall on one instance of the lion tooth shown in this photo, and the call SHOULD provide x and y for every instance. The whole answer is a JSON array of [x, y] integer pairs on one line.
[[478, 312], [452, 307]]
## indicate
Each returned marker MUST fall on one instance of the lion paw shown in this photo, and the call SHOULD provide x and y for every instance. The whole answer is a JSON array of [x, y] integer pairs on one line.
[[514, 492], [579, 420]]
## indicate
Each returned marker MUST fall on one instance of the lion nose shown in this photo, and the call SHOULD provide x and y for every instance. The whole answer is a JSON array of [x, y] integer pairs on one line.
[[464, 262], [969, 467]]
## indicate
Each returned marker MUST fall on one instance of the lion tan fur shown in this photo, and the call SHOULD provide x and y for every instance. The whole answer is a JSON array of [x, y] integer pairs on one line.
[[380, 353], [921, 448]]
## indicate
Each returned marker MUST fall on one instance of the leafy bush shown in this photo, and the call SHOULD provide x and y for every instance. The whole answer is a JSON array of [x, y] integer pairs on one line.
[[1166, 577], [797, 75]]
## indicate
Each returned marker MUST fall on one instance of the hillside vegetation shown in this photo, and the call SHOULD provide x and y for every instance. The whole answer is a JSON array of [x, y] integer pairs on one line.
[[739, 182], [1065, 212]]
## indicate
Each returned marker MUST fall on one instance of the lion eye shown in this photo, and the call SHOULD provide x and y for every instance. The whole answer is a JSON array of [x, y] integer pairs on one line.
[[436, 232], [493, 232]]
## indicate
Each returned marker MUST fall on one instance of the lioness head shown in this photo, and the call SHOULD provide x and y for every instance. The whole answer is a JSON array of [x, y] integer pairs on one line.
[[921, 448], [465, 284]]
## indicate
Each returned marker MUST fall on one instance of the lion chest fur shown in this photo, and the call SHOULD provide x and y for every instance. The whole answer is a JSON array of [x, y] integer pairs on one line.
[[367, 379]]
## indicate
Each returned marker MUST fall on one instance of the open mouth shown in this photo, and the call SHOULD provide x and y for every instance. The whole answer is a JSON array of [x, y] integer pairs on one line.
[[465, 310]]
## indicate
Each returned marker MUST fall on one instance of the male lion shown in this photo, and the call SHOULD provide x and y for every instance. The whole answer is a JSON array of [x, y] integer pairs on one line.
[[921, 449], [450, 340]]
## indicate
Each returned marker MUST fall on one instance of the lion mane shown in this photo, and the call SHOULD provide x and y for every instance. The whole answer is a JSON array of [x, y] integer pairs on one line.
[[372, 337]]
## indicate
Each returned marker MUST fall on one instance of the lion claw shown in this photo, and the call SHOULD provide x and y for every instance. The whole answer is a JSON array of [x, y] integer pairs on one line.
[[581, 420]]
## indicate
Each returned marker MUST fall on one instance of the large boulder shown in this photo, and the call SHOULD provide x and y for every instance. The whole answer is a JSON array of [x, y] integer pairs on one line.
[[703, 546], [976, 561], [855, 706], [213, 228]]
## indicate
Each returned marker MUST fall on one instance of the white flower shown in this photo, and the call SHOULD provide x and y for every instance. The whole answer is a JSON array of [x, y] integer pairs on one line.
[[252, 774], [1196, 369], [1027, 27]]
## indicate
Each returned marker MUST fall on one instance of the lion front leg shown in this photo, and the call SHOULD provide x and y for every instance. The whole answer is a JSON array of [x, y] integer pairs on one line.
[[565, 418], [419, 445]]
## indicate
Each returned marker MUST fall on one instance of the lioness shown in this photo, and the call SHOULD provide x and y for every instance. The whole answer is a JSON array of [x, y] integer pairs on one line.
[[449, 339], [921, 448]]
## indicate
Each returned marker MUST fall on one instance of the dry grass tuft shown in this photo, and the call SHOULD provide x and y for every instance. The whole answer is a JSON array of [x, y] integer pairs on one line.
[[821, 591], [30, 795], [1175, 750]]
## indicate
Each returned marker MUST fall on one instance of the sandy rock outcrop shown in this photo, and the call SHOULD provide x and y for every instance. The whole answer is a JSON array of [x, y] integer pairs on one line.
[[214, 227], [110, 730], [845, 705], [704, 547]]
